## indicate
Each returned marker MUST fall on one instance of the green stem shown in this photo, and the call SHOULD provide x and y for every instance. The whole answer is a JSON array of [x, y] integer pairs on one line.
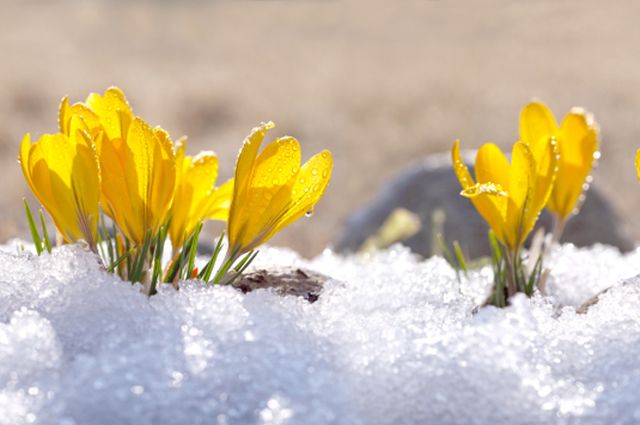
[[512, 286]]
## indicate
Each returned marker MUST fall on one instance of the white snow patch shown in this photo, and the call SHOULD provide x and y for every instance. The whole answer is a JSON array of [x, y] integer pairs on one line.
[[392, 340]]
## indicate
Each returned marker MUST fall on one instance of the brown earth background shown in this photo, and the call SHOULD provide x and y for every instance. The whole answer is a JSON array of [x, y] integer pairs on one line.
[[380, 83]]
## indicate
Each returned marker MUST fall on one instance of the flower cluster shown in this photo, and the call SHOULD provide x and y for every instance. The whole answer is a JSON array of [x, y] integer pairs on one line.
[[550, 167], [104, 158]]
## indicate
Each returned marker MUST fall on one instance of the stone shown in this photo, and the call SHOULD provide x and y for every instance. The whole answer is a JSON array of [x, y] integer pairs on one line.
[[585, 306], [296, 281], [431, 190]]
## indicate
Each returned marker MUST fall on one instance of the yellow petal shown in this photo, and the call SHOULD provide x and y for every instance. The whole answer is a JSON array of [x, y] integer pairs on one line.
[[139, 144], [183, 162], [492, 166], [85, 184], [309, 186], [121, 200], [545, 178], [245, 164], [220, 202], [203, 175], [460, 168], [578, 143], [192, 195], [638, 163], [113, 110], [491, 208], [25, 147], [163, 179], [522, 175], [537, 125]]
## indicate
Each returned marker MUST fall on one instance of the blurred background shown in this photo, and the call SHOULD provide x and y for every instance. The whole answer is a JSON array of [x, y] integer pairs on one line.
[[380, 83]]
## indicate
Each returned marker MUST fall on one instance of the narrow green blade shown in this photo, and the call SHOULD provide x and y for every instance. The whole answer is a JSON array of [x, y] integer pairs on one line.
[[37, 241]]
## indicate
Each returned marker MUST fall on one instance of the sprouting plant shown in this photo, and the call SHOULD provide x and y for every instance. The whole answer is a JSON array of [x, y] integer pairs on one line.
[[106, 158], [62, 172], [577, 140], [509, 196], [271, 191]]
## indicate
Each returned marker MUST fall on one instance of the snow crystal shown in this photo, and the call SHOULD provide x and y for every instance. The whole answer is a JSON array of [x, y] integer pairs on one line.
[[391, 340]]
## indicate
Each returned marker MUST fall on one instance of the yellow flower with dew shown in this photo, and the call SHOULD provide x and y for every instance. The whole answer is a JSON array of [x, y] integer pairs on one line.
[[138, 179], [196, 197], [508, 196], [137, 164], [62, 171], [577, 140], [271, 189]]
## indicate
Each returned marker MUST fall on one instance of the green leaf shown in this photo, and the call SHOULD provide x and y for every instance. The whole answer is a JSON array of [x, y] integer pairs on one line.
[[460, 256], [193, 250], [205, 274], [37, 241]]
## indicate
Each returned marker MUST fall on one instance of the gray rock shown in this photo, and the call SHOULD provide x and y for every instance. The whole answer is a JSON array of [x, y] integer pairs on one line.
[[284, 281], [584, 308], [431, 186]]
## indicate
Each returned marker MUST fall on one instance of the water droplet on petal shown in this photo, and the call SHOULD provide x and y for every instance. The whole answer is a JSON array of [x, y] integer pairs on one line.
[[309, 213]]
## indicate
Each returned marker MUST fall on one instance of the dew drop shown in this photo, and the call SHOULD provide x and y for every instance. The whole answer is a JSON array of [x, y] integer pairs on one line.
[[310, 212], [596, 155], [314, 172]]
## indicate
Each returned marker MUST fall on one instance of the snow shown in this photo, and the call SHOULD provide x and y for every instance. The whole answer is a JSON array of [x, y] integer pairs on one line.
[[392, 340]]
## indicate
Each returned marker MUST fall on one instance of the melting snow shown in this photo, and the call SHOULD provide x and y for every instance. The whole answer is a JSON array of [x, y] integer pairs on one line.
[[392, 340]]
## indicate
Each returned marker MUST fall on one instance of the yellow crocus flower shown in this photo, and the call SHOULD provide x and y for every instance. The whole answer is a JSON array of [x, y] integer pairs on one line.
[[577, 139], [137, 163], [508, 196], [271, 189], [138, 178], [196, 198], [62, 171]]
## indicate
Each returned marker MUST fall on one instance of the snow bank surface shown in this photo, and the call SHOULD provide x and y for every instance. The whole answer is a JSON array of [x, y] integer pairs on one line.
[[391, 340]]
